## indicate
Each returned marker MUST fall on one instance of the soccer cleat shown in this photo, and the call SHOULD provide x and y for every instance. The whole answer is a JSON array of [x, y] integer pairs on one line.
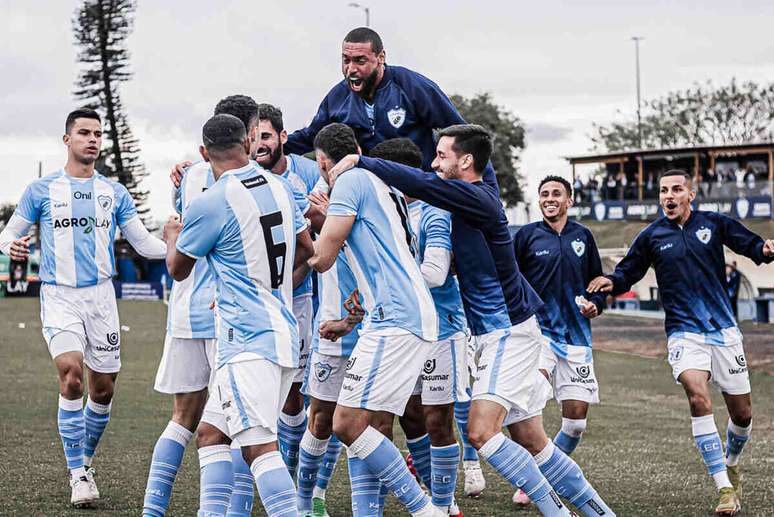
[[520, 498], [81, 495], [736, 480], [454, 510], [90, 472], [728, 504], [474, 478], [318, 507]]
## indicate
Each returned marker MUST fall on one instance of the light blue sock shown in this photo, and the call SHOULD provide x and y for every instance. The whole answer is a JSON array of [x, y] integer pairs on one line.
[[290, 429], [567, 479], [96, 417], [385, 460], [166, 460], [444, 466], [383, 491], [275, 486], [420, 453], [327, 467], [461, 410], [72, 431], [565, 442], [707, 439], [365, 488], [736, 438], [515, 464], [569, 436], [241, 503], [216, 480], [310, 458]]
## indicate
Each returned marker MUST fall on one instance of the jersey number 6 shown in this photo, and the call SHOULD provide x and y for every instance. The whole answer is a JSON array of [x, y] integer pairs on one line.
[[276, 251]]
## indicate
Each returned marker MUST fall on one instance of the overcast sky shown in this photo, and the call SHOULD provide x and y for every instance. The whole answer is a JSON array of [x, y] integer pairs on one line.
[[556, 65]]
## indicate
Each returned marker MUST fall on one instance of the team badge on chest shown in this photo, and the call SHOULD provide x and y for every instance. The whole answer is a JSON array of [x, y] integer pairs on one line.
[[105, 202], [579, 247], [396, 116], [704, 234]]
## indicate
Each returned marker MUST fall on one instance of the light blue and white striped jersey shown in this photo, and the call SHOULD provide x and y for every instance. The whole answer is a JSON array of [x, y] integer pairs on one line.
[[78, 219], [335, 286], [188, 313], [303, 174], [246, 226], [379, 252], [432, 226]]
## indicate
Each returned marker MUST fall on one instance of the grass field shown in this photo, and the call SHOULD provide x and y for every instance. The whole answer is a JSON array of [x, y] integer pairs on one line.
[[638, 451]]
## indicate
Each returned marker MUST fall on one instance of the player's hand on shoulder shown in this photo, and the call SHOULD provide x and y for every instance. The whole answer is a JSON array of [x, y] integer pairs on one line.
[[20, 248], [319, 200], [768, 248], [600, 284], [348, 162], [172, 228], [176, 176]]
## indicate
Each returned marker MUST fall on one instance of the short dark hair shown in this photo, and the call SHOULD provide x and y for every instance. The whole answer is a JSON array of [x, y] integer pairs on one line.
[[558, 179], [677, 172], [336, 141], [242, 107], [400, 150], [273, 114], [471, 139], [223, 132], [80, 113], [365, 35]]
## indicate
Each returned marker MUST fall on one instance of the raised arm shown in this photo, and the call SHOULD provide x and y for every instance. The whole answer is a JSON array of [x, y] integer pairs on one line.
[[142, 241], [744, 242], [594, 269]]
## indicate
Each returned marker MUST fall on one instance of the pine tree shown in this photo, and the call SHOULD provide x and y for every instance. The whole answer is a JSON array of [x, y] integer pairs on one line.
[[101, 28]]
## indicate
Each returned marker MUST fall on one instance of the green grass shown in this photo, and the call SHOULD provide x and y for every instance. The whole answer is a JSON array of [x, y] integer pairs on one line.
[[638, 451]]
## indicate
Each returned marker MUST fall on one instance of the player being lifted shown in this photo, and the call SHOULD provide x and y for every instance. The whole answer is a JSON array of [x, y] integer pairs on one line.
[[250, 229], [685, 247], [500, 308], [558, 257], [400, 325], [78, 211]]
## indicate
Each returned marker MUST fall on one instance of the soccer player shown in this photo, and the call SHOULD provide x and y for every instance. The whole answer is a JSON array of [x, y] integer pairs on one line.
[[372, 219], [500, 307], [252, 232], [558, 257], [78, 211], [685, 247]]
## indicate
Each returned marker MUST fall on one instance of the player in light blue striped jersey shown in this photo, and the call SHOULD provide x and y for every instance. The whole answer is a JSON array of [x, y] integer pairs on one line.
[[401, 321], [78, 210], [250, 229]]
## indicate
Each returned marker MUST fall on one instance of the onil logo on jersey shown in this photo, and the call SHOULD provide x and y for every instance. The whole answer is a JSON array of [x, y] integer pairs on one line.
[[87, 223], [579, 247], [704, 234], [396, 116]]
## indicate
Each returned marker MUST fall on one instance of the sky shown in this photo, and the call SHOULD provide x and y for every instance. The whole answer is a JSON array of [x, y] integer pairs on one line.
[[558, 66]]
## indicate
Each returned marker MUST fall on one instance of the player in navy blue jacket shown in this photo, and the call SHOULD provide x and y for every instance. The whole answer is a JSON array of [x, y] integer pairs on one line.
[[685, 248], [500, 308], [559, 258]]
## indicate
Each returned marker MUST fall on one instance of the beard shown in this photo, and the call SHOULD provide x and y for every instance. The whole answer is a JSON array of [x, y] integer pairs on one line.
[[273, 159], [369, 85]]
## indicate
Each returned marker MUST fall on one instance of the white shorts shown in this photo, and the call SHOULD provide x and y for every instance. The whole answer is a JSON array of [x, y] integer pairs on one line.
[[186, 365], [302, 310], [382, 370], [444, 378], [507, 370], [326, 373], [90, 312], [573, 376], [724, 360], [251, 394]]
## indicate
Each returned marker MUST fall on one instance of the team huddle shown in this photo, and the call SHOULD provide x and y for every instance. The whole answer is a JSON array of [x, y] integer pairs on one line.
[[315, 300]]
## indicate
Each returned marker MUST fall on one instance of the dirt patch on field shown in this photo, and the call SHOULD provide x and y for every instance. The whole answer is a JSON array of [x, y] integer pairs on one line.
[[645, 337]]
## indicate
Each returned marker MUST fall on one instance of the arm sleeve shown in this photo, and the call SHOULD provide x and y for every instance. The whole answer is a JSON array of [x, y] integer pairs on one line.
[[125, 209], [594, 269], [455, 196], [346, 195], [29, 205], [435, 266], [17, 227], [201, 229], [142, 241], [519, 246], [743, 241], [633, 266], [302, 140]]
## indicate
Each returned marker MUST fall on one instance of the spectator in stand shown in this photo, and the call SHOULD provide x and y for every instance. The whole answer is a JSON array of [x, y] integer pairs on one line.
[[749, 178], [579, 189]]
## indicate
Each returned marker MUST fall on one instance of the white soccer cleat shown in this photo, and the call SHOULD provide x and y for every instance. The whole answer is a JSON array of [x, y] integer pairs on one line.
[[93, 491], [520, 498], [454, 510], [474, 478], [81, 494]]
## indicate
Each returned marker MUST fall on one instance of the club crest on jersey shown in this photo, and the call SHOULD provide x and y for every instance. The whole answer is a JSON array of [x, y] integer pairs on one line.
[[704, 234], [579, 247], [105, 202], [322, 371], [396, 116]]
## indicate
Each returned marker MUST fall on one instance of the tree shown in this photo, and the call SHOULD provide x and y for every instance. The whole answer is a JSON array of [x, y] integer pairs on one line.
[[508, 140], [6, 211], [101, 28], [701, 115]]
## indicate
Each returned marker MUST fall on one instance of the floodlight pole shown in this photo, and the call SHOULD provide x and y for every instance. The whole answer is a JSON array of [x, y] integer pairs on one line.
[[365, 9], [637, 40]]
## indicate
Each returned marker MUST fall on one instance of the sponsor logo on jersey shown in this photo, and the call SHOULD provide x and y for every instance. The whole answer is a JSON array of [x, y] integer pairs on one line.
[[542, 253], [742, 362], [665, 246], [112, 338], [583, 371], [105, 202], [429, 366], [579, 247], [350, 363], [584, 375], [87, 223], [81, 195], [322, 371], [396, 116], [704, 234]]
